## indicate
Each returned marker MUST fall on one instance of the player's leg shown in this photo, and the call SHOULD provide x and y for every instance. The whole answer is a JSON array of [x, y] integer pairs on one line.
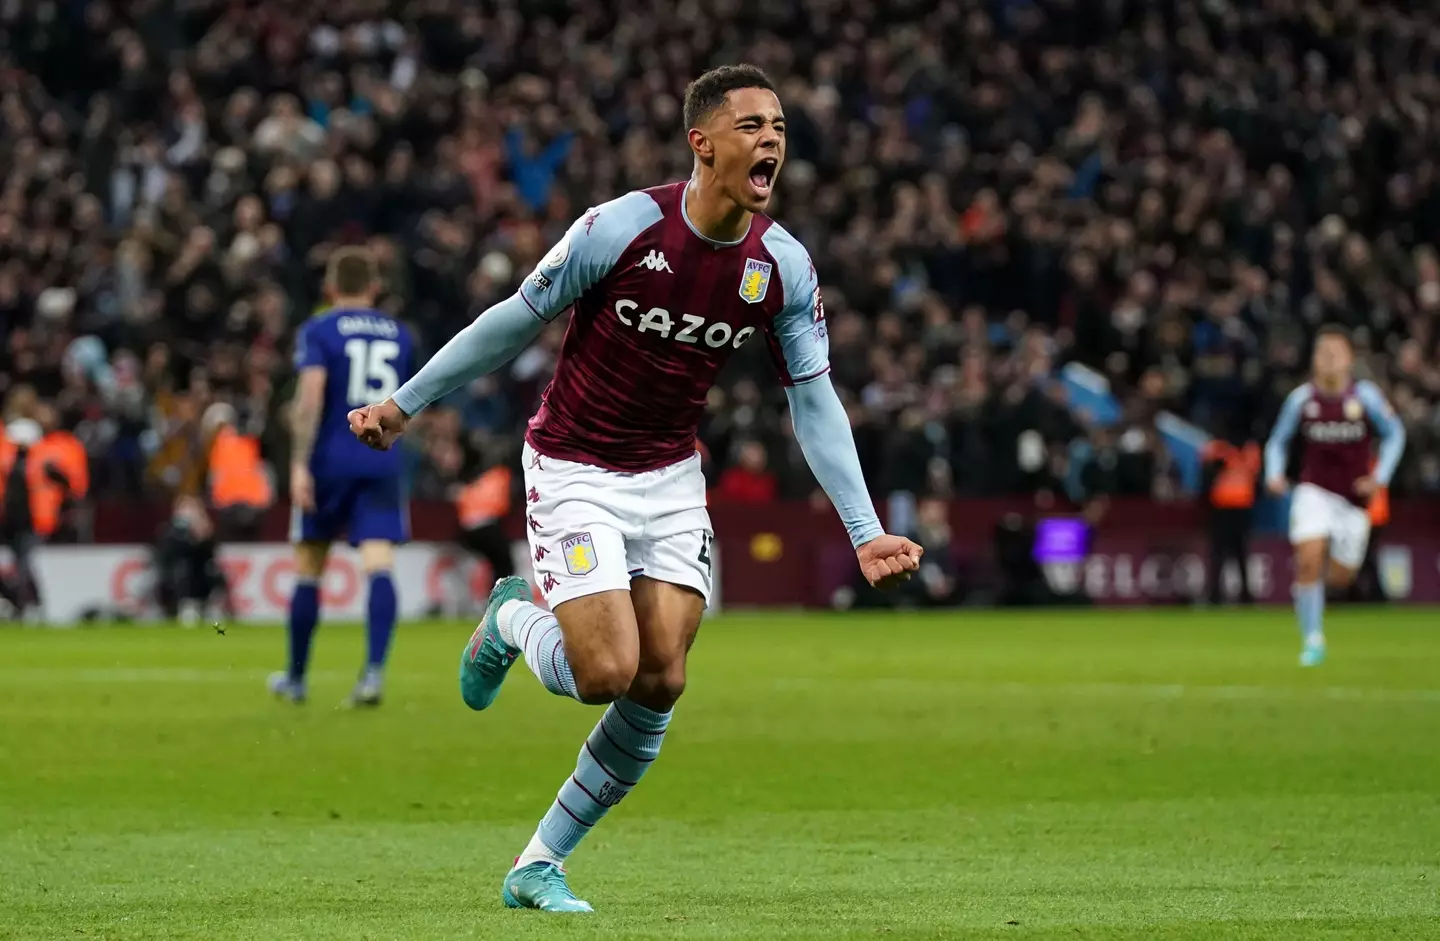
[[377, 561], [578, 521], [311, 533], [1311, 524], [624, 743], [1309, 597], [586, 649], [1348, 545], [310, 556], [668, 599], [377, 521]]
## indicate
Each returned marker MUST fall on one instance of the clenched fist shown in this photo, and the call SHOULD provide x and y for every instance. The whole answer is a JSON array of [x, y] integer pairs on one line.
[[378, 426], [888, 560]]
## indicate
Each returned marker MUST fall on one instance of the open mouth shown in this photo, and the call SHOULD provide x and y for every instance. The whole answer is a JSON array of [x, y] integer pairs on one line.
[[762, 175]]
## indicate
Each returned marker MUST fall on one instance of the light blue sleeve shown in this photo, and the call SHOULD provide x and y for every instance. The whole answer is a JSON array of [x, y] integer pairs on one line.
[[823, 430], [800, 347], [587, 253], [1387, 425], [489, 342], [799, 340], [1277, 449]]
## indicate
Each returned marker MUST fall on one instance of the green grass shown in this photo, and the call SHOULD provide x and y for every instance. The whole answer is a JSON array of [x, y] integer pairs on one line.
[[1052, 775]]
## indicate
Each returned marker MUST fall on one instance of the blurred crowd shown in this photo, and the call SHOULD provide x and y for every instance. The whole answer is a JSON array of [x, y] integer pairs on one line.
[[1174, 195]]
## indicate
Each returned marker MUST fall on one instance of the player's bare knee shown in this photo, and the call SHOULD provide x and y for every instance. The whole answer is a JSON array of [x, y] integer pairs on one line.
[[659, 690], [600, 644], [377, 555], [1309, 562], [603, 680], [310, 559], [1339, 576]]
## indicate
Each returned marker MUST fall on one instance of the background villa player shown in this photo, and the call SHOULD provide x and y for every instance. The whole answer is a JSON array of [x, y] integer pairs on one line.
[[662, 285], [1337, 419]]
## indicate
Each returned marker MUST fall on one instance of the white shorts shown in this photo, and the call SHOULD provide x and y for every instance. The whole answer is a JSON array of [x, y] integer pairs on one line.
[[592, 529], [1316, 513]]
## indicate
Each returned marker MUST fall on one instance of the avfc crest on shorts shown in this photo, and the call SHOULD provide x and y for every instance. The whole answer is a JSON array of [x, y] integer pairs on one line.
[[755, 281], [579, 552]]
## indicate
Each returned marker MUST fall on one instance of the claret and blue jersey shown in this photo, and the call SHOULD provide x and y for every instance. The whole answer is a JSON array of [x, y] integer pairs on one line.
[[1337, 432], [657, 309], [367, 355]]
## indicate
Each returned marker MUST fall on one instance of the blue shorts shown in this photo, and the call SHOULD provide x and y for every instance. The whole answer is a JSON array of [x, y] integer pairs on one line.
[[355, 508]]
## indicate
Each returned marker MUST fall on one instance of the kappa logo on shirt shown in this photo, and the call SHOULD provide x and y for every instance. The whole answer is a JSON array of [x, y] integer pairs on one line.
[[655, 261]]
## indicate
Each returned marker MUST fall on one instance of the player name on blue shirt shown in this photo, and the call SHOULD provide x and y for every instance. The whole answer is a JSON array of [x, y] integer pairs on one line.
[[367, 355]]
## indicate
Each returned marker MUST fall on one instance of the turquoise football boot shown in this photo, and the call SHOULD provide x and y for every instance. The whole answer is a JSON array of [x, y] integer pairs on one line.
[[1314, 653], [542, 886], [486, 658]]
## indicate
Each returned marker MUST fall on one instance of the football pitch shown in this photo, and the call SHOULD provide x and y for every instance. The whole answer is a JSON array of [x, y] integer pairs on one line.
[[1141, 774]]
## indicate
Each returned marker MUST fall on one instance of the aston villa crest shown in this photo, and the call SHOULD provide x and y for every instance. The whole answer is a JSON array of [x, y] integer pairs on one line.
[[755, 281]]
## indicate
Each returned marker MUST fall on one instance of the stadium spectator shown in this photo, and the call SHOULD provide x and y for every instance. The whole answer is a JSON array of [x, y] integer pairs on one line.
[[188, 577], [19, 588], [481, 507], [749, 479], [1232, 472], [58, 478], [239, 486], [1177, 196]]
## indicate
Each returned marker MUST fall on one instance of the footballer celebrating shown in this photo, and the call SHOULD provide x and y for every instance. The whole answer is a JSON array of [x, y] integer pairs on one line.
[[1337, 419], [662, 286]]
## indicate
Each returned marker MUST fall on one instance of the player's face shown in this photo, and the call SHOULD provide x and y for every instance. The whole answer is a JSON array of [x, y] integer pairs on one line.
[[1333, 358], [748, 134]]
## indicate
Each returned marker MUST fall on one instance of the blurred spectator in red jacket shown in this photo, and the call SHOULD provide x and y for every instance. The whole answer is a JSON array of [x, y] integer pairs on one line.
[[749, 479]]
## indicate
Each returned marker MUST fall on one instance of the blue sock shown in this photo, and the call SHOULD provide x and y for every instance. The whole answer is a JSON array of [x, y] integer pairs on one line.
[[1310, 611], [536, 632], [623, 745], [380, 618], [304, 613]]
